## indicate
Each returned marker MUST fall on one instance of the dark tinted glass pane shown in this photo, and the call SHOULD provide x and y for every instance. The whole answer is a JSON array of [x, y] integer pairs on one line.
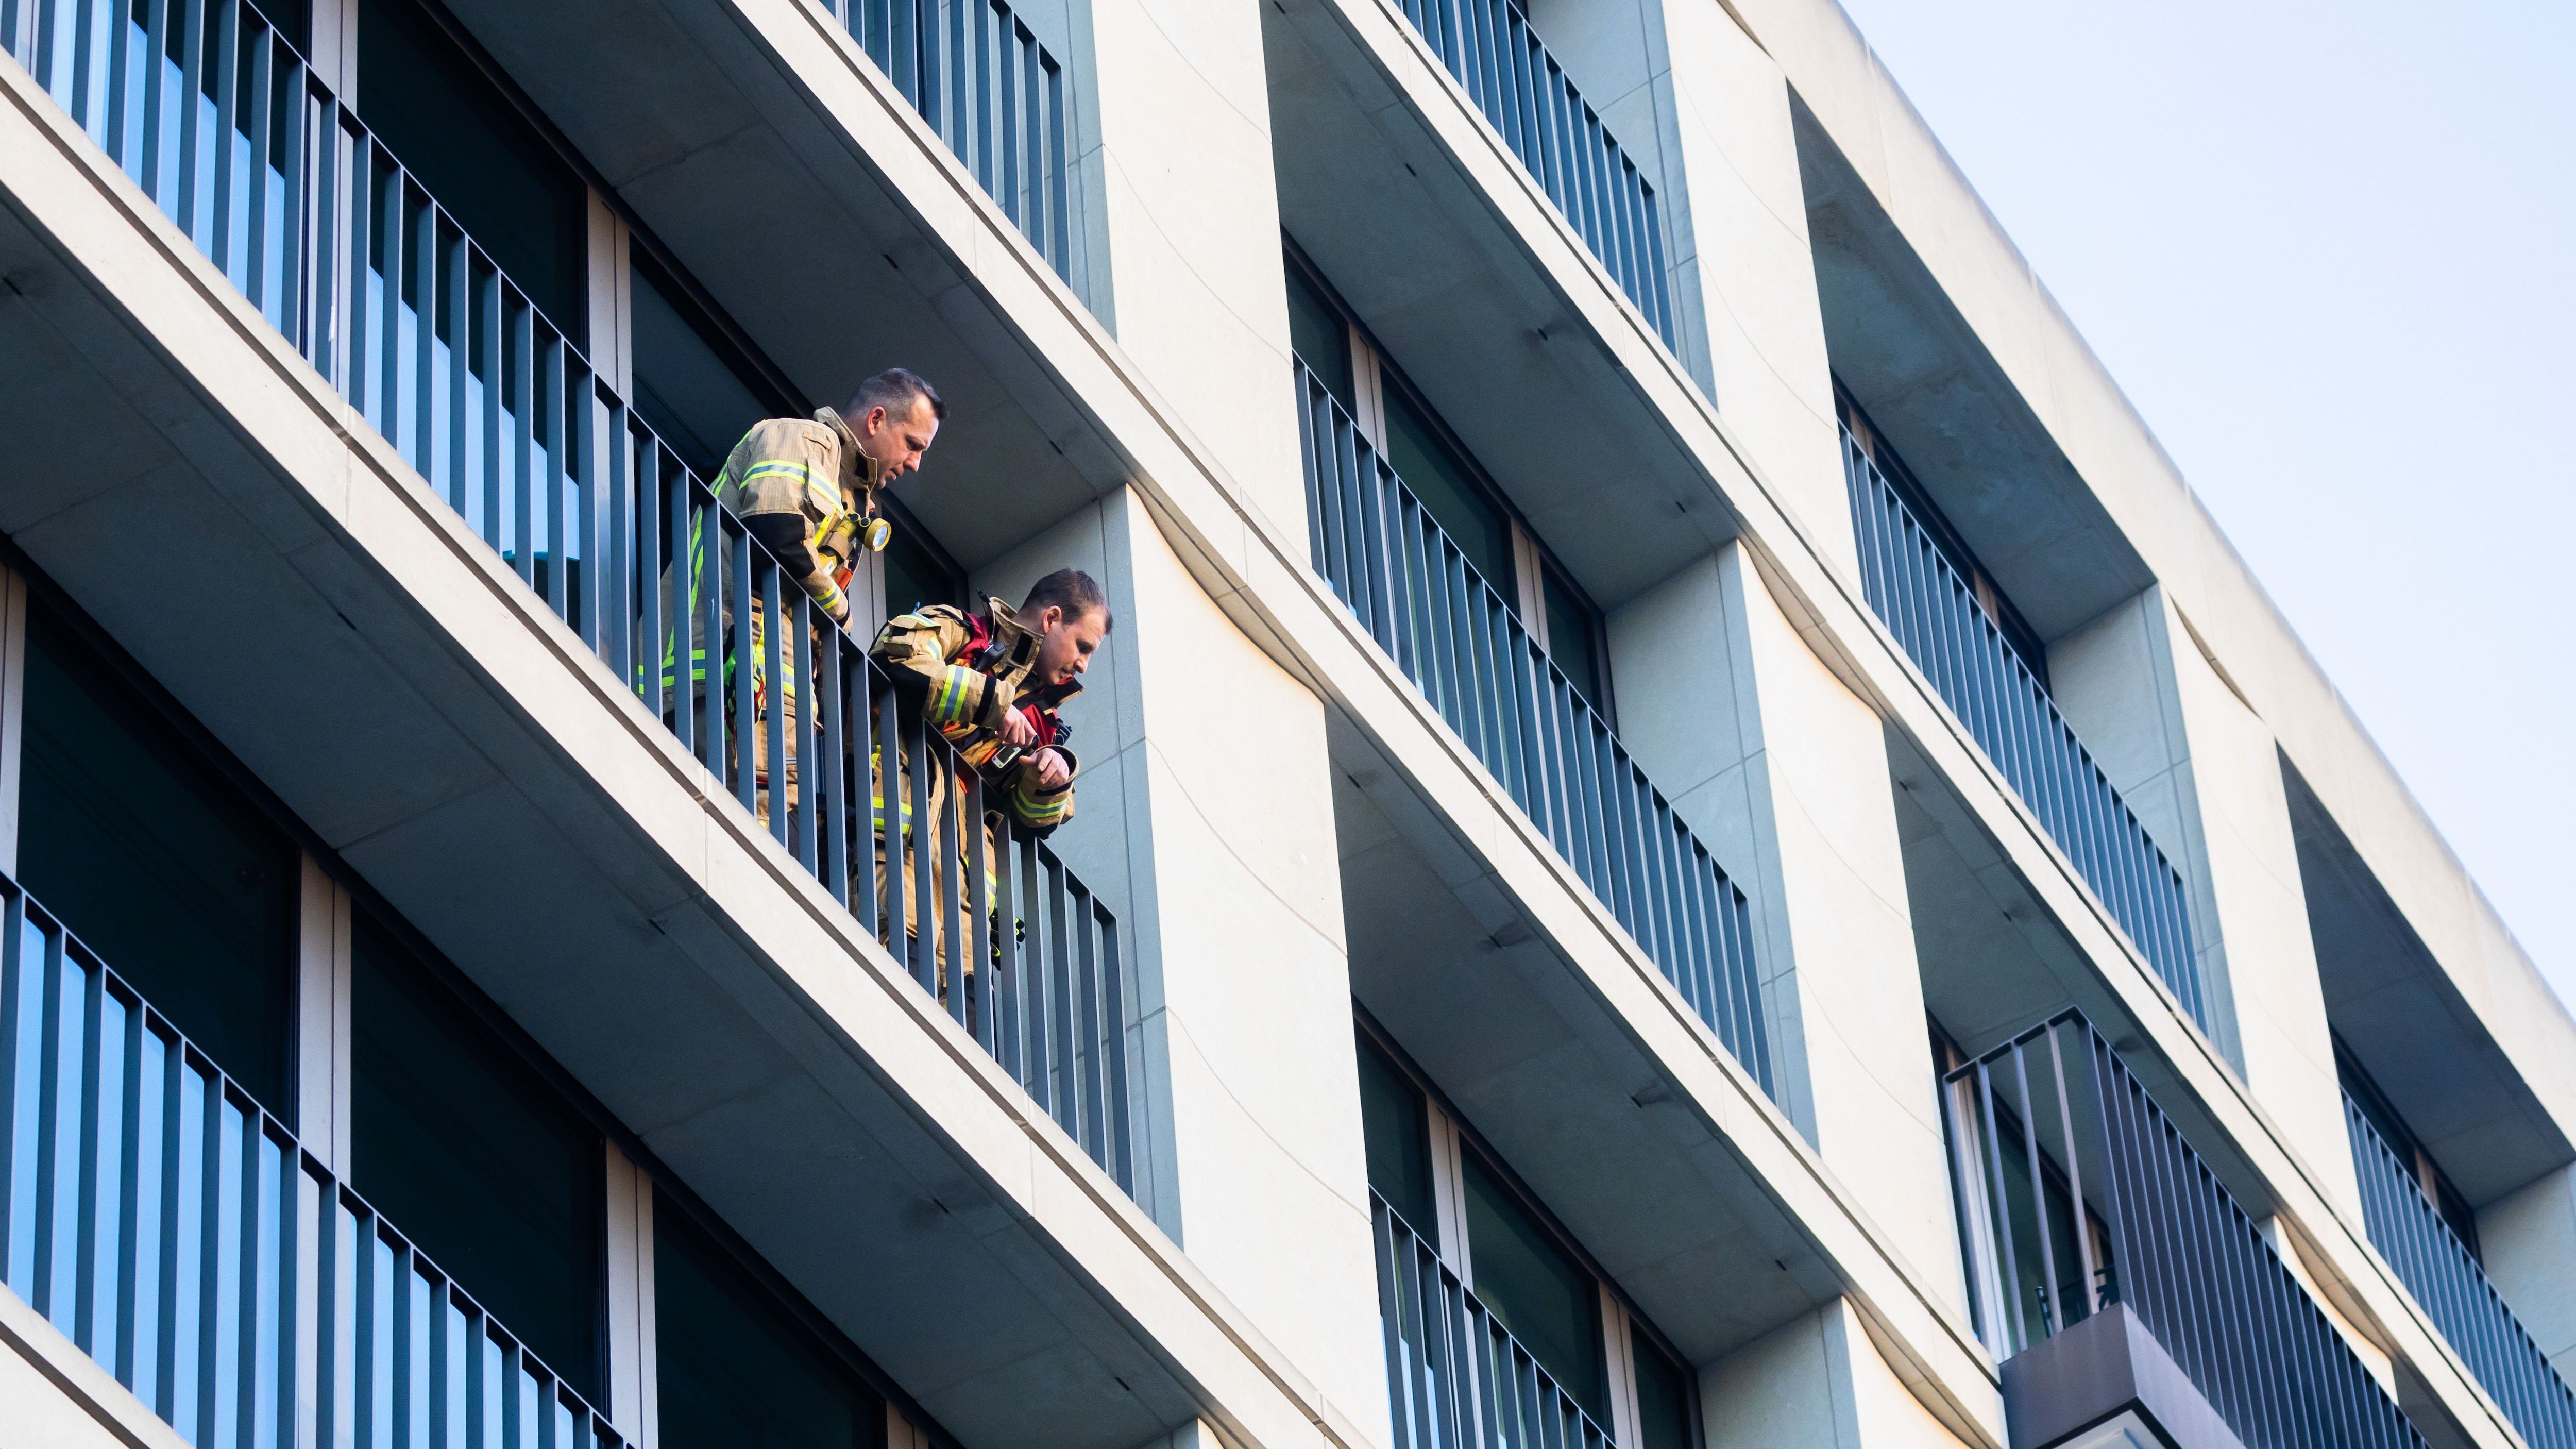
[[1573, 639], [174, 877], [1399, 1150], [1663, 1398], [687, 387], [1535, 1287], [293, 19], [1448, 487], [737, 1372], [445, 121], [468, 1153], [1315, 330], [916, 575]]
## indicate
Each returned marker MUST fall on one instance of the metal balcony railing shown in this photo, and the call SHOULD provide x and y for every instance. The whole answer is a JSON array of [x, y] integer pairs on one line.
[[177, 1234], [1000, 101], [2454, 1292], [1935, 614], [1457, 639], [1455, 1377], [359, 268], [2075, 1191], [1497, 59]]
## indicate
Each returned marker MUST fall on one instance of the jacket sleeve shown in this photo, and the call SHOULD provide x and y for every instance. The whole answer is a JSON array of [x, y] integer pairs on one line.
[[781, 479], [916, 648]]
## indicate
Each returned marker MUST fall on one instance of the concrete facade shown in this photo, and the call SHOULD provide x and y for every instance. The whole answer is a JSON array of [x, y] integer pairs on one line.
[[1288, 830]]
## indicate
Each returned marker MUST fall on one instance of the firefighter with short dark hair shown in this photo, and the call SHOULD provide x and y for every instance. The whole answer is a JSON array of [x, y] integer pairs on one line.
[[992, 684]]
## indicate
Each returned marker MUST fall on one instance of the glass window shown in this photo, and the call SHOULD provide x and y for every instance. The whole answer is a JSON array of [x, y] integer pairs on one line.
[[737, 1371], [1399, 1147], [169, 872], [474, 1157], [1535, 1287], [917, 573], [1574, 640], [689, 385], [1448, 486], [1315, 330], [2428, 1176], [1663, 1397], [443, 118]]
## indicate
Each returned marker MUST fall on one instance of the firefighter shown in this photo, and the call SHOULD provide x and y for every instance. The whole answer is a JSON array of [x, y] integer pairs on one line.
[[991, 685], [808, 490]]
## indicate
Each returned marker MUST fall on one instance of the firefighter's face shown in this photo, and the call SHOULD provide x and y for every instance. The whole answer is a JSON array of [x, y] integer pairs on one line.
[[897, 441], [1065, 645]]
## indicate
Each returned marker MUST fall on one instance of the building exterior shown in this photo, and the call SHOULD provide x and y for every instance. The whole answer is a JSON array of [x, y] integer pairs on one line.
[[1688, 836]]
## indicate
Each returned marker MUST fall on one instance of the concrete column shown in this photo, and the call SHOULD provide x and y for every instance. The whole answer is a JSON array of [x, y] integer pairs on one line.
[[324, 920], [2203, 773], [2528, 1239], [1783, 772], [1190, 210], [1204, 819], [634, 1392], [1819, 1383], [1706, 111]]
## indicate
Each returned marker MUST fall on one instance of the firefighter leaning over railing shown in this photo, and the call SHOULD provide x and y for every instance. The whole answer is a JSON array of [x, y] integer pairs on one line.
[[991, 685], [807, 489]]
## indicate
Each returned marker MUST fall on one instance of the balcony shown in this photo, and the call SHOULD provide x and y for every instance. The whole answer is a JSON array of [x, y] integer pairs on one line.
[[358, 267], [1462, 645], [993, 93], [176, 1233], [2104, 1252], [1456, 1378], [1935, 615], [1494, 55], [2407, 1229]]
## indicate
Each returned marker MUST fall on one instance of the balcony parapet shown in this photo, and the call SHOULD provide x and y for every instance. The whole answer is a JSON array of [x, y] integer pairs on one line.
[[2447, 1282], [179, 1235], [1935, 615], [1495, 56], [1452, 634], [2077, 1192]]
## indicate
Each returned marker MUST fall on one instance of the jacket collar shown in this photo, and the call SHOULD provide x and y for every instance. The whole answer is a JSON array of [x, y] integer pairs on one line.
[[1015, 653], [860, 474]]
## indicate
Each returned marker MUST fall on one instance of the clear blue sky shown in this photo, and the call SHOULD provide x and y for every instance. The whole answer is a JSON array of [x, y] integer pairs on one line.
[[2330, 252]]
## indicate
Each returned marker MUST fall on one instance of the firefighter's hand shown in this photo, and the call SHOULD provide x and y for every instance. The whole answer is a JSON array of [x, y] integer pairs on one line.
[[1016, 730], [1053, 773]]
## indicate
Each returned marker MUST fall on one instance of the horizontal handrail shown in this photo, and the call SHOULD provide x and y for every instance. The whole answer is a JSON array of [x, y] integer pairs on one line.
[[378, 287], [1454, 636], [1456, 1378], [973, 69], [2456, 1294], [178, 1234], [1934, 613], [2075, 1191], [1490, 49]]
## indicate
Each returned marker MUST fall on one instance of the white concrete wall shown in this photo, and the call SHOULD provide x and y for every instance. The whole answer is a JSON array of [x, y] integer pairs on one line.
[[1783, 772], [1744, 221], [2203, 772], [1205, 819], [2528, 1239], [1192, 217], [1818, 1383]]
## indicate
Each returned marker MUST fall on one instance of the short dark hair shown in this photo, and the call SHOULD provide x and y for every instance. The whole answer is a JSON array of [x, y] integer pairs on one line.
[[1072, 590], [894, 389]]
